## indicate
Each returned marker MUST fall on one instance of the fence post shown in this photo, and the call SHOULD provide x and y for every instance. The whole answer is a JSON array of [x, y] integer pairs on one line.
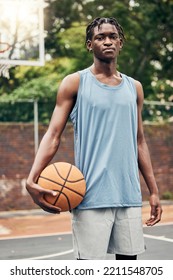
[[36, 136]]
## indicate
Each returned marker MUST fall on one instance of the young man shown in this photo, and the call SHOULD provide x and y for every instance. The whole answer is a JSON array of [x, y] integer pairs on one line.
[[105, 107]]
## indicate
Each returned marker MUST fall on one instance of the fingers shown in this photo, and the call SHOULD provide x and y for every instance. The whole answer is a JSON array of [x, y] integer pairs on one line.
[[38, 195], [50, 208], [155, 216], [45, 205]]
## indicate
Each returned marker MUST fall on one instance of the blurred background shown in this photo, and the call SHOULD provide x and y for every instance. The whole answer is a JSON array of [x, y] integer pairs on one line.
[[28, 96]]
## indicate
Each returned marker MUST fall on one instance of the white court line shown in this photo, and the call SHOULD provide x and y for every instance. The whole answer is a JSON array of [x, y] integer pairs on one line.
[[35, 235], [160, 224], [50, 256], [64, 233], [162, 238]]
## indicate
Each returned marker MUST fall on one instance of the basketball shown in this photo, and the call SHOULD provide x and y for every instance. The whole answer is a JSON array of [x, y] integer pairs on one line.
[[67, 180]]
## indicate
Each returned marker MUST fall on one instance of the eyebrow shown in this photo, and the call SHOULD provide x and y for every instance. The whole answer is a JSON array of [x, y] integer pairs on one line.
[[106, 33]]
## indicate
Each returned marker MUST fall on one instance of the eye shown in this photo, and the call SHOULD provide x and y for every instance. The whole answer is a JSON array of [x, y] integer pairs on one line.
[[114, 36], [99, 38]]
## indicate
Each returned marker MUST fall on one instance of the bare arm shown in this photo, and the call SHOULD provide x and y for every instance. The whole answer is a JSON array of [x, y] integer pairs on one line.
[[66, 98], [145, 165]]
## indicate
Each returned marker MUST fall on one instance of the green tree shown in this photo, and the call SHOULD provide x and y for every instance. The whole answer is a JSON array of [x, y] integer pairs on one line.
[[146, 55], [147, 25]]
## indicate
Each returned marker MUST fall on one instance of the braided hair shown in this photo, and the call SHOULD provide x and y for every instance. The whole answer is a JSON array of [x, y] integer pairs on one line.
[[98, 22]]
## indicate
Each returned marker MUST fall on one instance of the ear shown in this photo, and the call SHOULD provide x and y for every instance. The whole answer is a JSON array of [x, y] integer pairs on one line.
[[121, 44], [89, 45]]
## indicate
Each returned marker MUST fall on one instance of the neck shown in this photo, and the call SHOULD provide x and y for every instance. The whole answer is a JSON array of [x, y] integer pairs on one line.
[[106, 68]]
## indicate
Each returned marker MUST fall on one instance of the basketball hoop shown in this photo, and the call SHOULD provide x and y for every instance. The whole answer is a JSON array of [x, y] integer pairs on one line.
[[4, 70], [4, 47], [26, 20]]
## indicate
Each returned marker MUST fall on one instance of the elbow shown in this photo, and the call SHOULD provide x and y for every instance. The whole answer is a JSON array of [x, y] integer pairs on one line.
[[141, 140], [52, 140], [142, 148], [55, 139], [56, 142]]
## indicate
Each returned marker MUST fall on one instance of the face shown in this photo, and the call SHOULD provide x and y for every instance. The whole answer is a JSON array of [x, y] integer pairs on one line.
[[106, 43]]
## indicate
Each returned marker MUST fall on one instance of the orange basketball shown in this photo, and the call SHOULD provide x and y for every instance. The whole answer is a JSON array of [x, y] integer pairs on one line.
[[67, 180]]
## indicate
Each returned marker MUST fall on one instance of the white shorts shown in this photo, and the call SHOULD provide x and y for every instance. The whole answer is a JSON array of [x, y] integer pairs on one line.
[[97, 232]]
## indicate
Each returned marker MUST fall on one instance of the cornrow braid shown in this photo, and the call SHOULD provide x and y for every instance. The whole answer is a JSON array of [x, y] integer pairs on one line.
[[98, 22]]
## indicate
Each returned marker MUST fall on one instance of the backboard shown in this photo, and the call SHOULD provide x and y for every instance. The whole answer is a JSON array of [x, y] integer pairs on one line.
[[22, 32]]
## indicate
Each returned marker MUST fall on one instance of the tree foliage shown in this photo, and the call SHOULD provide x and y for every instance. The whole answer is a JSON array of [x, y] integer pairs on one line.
[[146, 55]]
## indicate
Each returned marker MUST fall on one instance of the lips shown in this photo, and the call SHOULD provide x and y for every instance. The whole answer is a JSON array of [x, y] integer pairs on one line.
[[109, 49]]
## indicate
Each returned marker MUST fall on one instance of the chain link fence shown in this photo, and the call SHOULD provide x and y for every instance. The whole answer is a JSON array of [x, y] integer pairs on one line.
[[23, 111], [34, 111], [157, 112], [22, 125]]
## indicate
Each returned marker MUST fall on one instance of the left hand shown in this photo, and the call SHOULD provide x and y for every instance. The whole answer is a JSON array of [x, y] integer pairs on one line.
[[156, 210]]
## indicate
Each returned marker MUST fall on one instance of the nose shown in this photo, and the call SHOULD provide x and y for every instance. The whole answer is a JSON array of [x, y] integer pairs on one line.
[[107, 41]]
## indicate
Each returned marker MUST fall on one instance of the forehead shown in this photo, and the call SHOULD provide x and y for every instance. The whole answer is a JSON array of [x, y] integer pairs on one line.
[[105, 28]]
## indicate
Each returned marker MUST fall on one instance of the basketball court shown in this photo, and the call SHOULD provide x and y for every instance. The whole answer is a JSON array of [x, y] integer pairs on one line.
[[38, 235], [158, 240], [34, 234]]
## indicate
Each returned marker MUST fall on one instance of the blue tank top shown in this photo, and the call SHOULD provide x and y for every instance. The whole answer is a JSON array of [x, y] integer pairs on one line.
[[105, 138]]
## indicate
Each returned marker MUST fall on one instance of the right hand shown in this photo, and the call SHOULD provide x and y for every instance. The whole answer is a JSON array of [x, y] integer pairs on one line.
[[38, 195]]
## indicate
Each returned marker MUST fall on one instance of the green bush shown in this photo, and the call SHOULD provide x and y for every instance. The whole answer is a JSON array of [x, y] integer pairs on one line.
[[167, 195]]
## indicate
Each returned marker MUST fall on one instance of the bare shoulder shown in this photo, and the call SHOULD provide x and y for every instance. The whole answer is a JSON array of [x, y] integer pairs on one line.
[[138, 85], [140, 92], [69, 85], [73, 78]]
